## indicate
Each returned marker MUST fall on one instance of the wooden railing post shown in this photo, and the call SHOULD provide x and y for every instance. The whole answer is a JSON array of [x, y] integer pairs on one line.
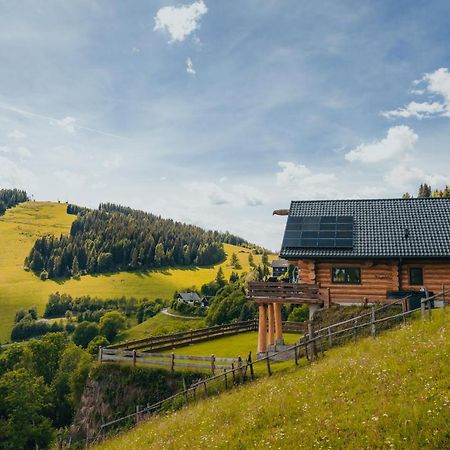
[[295, 355], [429, 309], [330, 338], [100, 355], [312, 342], [422, 308], [172, 360], [134, 358], [213, 364], [240, 368]]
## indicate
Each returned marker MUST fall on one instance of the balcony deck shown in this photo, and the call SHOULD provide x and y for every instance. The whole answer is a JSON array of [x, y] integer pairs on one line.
[[279, 292]]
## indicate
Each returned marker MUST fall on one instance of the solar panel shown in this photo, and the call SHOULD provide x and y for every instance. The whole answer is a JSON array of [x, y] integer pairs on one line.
[[335, 232]]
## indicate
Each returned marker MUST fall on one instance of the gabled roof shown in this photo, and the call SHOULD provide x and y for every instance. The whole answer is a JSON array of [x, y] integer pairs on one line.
[[189, 296], [280, 263], [413, 228]]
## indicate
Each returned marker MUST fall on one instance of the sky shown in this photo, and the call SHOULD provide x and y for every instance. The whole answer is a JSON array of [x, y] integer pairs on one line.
[[218, 112]]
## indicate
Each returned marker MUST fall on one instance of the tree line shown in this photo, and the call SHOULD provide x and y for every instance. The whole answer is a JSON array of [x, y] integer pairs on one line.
[[114, 238], [10, 198], [426, 191]]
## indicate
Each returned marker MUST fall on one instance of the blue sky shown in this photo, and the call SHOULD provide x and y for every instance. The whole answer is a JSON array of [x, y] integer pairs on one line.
[[217, 112]]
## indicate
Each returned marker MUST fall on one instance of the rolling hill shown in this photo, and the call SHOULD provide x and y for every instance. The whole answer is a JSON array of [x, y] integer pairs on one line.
[[389, 392], [22, 225]]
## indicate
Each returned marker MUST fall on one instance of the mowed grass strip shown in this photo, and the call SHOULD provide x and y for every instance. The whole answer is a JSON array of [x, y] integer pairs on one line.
[[22, 225], [389, 392]]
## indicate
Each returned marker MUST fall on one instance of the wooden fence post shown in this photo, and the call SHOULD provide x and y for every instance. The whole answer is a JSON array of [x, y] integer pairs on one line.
[[355, 330], [250, 363], [330, 338], [213, 364], [422, 309], [100, 354], [311, 340], [269, 370], [185, 391], [241, 373], [172, 362], [443, 296], [225, 377], [295, 355], [232, 372], [373, 328], [134, 358], [137, 414], [429, 309], [206, 389]]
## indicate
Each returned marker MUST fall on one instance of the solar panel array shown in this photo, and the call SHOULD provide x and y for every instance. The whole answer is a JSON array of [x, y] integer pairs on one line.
[[319, 232]]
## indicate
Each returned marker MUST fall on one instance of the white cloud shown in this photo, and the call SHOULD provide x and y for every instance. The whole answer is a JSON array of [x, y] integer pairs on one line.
[[68, 124], [298, 181], [180, 21], [399, 140], [190, 67], [13, 175], [23, 152], [135, 50], [408, 178], [114, 162], [418, 110], [17, 134], [437, 83]]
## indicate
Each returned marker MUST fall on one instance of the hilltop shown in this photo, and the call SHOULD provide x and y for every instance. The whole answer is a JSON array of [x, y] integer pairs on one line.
[[391, 392], [22, 225]]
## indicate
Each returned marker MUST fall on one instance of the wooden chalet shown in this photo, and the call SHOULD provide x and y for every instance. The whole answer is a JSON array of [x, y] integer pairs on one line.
[[358, 251]]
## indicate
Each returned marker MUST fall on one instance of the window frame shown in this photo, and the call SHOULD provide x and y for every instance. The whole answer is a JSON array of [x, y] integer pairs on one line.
[[411, 268], [358, 268]]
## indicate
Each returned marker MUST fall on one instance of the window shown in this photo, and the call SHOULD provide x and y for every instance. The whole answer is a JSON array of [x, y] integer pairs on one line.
[[346, 275], [416, 276]]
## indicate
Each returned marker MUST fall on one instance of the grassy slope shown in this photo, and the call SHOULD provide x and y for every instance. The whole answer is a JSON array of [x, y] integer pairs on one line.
[[392, 392], [20, 227]]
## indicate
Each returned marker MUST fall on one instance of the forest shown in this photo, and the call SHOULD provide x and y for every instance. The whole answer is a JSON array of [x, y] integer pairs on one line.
[[114, 238], [10, 198]]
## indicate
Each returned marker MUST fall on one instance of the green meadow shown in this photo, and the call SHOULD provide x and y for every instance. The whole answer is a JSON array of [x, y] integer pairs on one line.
[[390, 392], [22, 225]]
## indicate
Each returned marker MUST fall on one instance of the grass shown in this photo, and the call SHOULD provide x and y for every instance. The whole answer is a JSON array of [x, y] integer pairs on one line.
[[389, 392], [22, 225], [161, 324]]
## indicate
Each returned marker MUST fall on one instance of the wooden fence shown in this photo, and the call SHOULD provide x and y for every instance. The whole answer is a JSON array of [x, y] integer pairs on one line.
[[171, 360], [311, 347], [181, 339]]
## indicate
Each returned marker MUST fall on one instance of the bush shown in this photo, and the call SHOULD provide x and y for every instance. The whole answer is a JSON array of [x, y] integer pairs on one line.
[[84, 333], [299, 314], [96, 343], [111, 324]]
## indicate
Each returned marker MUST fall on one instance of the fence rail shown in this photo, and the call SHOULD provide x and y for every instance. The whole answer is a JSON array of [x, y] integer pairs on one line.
[[310, 346], [181, 339], [269, 291]]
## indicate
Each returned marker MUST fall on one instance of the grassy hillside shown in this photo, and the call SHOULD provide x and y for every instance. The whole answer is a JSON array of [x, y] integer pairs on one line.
[[389, 392], [20, 227]]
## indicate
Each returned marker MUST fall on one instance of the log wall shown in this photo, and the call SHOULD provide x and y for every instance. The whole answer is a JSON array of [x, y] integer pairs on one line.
[[377, 277]]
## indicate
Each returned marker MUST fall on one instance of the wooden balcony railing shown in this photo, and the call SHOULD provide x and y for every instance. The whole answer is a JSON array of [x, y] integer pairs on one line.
[[274, 292]]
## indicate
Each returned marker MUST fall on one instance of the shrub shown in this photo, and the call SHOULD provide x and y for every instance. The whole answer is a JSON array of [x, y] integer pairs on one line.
[[84, 333]]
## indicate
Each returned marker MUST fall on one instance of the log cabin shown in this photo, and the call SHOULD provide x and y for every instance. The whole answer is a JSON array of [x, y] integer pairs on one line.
[[356, 251], [368, 250]]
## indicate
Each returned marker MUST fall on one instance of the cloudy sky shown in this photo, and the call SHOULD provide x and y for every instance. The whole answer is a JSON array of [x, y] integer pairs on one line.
[[217, 112]]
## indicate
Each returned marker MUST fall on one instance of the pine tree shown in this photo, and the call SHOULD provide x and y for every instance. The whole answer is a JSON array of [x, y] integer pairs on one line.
[[75, 268], [220, 278], [235, 262], [251, 260], [265, 259]]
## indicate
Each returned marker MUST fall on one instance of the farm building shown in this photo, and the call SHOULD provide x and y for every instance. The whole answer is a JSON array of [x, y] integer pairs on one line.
[[279, 267], [190, 298], [359, 251]]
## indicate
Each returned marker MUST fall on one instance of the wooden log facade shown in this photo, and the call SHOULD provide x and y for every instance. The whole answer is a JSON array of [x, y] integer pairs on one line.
[[378, 277]]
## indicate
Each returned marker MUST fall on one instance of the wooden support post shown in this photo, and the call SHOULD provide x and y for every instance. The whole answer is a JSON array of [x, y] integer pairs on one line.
[[134, 358], [172, 365], [278, 324], [213, 364], [373, 329], [269, 370], [262, 329], [271, 335], [295, 356]]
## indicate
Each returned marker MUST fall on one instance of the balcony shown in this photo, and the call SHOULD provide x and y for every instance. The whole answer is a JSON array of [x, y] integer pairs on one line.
[[279, 292]]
